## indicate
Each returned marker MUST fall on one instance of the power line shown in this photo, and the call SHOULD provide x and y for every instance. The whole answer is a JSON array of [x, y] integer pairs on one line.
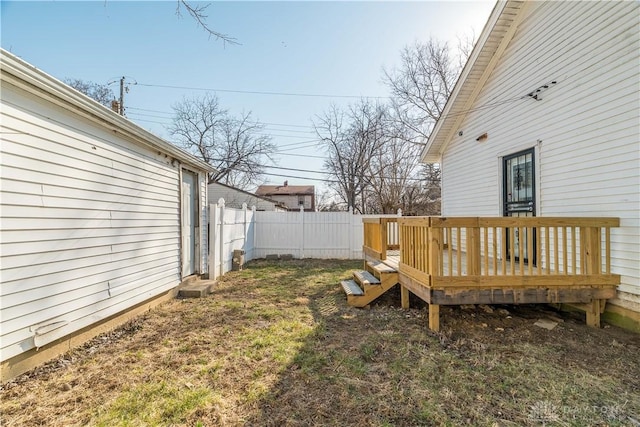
[[290, 144], [320, 172], [148, 115], [301, 155], [263, 123], [288, 136], [255, 92], [452, 114], [299, 147], [150, 121], [151, 111], [269, 128]]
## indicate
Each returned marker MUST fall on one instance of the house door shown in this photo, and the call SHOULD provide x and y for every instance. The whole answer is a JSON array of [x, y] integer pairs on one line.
[[189, 222], [519, 198]]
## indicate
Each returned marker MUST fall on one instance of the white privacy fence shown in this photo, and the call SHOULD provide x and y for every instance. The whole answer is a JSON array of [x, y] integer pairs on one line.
[[301, 234], [229, 229]]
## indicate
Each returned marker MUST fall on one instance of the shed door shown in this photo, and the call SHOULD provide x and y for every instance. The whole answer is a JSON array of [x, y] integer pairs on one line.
[[519, 197], [189, 221]]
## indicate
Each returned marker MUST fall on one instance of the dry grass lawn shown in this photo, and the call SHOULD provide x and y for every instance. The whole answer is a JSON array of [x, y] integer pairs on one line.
[[276, 345]]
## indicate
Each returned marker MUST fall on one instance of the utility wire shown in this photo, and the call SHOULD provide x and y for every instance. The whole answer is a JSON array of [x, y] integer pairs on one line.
[[264, 123], [292, 146], [319, 172], [266, 127], [255, 92], [301, 155], [452, 114], [315, 144]]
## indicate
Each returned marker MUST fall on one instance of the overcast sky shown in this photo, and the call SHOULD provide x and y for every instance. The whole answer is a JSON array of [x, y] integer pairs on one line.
[[334, 49]]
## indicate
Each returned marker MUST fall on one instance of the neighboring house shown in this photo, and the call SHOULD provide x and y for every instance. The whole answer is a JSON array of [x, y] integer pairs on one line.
[[293, 196], [544, 121], [99, 218], [234, 198]]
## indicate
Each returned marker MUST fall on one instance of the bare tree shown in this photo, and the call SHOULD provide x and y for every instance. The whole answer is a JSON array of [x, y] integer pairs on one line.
[[397, 164], [420, 89], [422, 196], [352, 139], [99, 92], [326, 201], [198, 13], [421, 86], [235, 146]]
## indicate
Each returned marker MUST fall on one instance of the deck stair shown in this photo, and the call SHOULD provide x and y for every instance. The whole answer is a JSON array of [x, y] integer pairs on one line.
[[351, 288], [369, 284]]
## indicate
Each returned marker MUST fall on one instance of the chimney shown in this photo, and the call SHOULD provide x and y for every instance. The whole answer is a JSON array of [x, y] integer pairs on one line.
[[286, 183]]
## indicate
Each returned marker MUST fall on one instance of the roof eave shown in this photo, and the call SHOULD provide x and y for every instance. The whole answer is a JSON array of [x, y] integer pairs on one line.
[[15, 70], [434, 148]]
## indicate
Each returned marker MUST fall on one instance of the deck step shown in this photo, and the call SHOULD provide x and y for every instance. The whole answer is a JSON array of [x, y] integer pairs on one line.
[[351, 288], [381, 267], [365, 278]]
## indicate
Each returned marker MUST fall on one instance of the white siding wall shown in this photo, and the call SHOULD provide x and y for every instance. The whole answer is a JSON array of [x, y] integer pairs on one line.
[[585, 129], [89, 223], [293, 202]]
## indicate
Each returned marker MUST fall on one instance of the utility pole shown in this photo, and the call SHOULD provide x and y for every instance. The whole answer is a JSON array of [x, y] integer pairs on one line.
[[121, 106]]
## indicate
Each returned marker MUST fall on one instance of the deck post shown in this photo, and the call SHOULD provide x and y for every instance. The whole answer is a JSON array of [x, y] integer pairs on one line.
[[593, 265], [593, 313], [434, 250], [383, 239], [434, 317], [404, 297]]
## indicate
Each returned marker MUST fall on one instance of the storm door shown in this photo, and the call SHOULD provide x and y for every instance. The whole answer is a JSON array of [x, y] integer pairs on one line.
[[519, 199]]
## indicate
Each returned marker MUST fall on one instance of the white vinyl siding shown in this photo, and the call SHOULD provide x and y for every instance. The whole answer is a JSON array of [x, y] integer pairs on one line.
[[585, 128], [89, 223], [293, 201]]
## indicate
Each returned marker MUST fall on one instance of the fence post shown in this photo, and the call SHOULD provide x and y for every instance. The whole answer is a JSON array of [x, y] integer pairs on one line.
[[213, 210], [221, 256], [244, 227], [254, 219], [350, 234], [301, 250]]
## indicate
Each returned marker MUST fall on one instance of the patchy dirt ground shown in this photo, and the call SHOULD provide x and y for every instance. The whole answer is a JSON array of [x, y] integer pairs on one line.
[[277, 345]]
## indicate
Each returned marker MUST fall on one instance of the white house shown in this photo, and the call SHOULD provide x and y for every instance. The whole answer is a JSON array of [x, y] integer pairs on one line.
[[544, 121], [235, 198], [99, 217]]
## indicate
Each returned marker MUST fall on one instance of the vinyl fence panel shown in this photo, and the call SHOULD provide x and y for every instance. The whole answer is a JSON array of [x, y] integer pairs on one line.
[[322, 235]]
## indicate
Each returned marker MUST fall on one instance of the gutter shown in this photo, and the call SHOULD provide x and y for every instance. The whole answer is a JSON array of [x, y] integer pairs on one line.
[[25, 76]]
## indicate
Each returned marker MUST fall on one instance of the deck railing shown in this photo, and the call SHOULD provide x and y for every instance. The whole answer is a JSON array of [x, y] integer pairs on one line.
[[380, 235], [508, 251]]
